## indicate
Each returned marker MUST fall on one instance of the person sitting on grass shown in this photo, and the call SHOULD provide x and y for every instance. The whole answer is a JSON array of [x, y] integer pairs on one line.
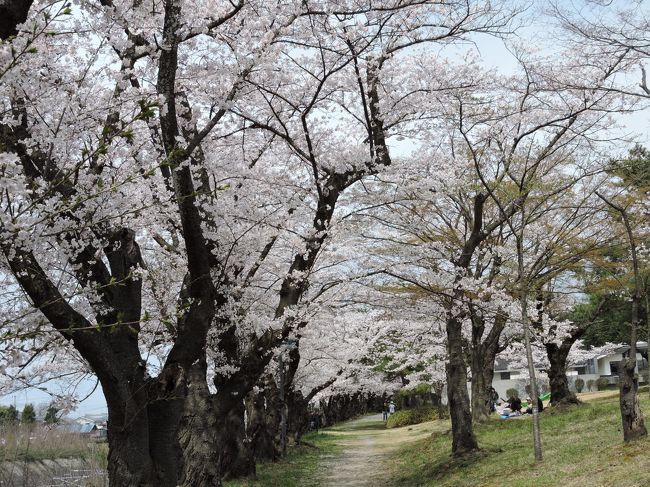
[[513, 407], [540, 406], [514, 403]]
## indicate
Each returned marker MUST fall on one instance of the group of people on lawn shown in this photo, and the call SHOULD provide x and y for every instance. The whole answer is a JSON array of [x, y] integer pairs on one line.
[[513, 406], [510, 408]]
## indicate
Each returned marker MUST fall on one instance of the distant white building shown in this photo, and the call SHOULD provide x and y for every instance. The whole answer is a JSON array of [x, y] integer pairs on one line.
[[607, 365], [507, 376]]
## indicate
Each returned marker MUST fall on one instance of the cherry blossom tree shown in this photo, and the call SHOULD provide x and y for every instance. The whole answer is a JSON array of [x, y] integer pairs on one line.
[[137, 141], [353, 67], [194, 191], [100, 147]]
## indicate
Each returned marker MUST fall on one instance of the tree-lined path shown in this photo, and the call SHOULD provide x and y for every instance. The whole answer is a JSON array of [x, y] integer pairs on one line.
[[367, 445], [230, 216]]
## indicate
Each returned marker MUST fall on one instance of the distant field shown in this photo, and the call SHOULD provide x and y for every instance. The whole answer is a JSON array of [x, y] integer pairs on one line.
[[19, 442], [38, 455]]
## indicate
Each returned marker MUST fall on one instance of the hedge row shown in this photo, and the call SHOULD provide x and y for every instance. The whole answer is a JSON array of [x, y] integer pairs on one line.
[[406, 417]]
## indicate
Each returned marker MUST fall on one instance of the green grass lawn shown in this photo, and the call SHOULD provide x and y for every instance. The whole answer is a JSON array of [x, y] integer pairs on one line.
[[303, 467], [582, 446]]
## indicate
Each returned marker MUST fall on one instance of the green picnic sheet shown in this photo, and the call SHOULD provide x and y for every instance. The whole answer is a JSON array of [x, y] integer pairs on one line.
[[543, 397]]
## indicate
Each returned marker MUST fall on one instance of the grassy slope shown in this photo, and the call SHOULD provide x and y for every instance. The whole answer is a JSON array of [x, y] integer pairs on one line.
[[581, 447], [302, 467]]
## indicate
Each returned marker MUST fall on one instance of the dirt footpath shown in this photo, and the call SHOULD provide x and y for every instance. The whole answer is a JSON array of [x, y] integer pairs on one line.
[[590, 396], [366, 446]]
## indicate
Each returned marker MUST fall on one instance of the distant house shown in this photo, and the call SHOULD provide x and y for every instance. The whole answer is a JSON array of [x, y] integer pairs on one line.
[[607, 365], [510, 376], [78, 428], [507, 375], [87, 428], [101, 432]]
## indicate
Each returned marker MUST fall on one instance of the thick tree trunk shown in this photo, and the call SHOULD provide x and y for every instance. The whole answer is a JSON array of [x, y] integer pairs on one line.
[[483, 355], [129, 460], [263, 422], [142, 435], [633, 424], [298, 419], [482, 374], [560, 393], [12, 13], [262, 436], [235, 457], [463, 439], [197, 433], [299, 407], [631, 415], [164, 417]]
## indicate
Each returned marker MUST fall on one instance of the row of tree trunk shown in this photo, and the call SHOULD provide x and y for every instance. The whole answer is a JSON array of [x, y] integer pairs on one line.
[[263, 427]]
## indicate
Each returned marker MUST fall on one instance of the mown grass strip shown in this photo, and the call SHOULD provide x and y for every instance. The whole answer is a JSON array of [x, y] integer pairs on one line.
[[303, 466]]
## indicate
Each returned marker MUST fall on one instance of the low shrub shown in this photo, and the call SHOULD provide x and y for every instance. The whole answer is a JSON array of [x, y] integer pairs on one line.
[[602, 384], [579, 383], [512, 392], [590, 385], [405, 417]]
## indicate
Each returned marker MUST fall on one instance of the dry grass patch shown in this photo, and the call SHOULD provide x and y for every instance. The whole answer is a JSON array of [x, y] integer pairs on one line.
[[29, 443]]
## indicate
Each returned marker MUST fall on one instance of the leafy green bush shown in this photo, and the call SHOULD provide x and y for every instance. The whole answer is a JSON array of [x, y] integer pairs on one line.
[[51, 415], [590, 384], [579, 383], [406, 417], [602, 384], [29, 415], [512, 392], [8, 414]]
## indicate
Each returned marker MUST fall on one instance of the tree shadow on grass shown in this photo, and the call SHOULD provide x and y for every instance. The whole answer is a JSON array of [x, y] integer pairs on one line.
[[359, 426], [445, 467]]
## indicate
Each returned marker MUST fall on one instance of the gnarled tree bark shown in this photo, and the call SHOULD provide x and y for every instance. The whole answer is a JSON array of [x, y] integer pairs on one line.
[[483, 354]]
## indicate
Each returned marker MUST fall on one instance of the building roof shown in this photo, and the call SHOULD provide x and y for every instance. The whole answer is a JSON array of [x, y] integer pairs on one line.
[[87, 427], [504, 365], [640, 348]]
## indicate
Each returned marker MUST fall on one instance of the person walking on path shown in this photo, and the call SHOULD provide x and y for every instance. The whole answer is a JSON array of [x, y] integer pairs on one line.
[[385, 411], [391, 408]]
